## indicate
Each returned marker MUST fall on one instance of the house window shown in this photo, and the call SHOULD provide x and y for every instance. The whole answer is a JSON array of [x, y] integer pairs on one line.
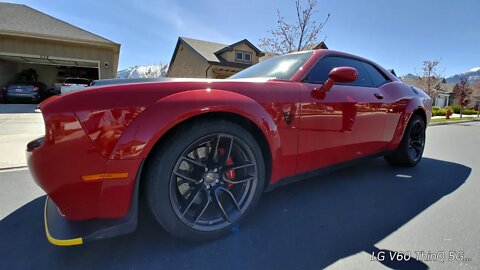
[[239, 56], [247, 57], [242, 56]]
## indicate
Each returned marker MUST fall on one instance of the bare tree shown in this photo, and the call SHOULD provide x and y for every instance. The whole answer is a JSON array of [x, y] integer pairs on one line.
[[430, 78], [463, 94], [476, 93], [296, 36], [476, 97]]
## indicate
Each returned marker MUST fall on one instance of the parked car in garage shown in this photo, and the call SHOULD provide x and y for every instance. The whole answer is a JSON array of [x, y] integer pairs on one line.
[[56, 87], [74, 84], [25, 88]]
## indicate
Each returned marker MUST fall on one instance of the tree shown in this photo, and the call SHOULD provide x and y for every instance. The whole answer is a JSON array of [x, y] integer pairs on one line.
[[430, 78], [296, 36], [476, 95], [463, 93]]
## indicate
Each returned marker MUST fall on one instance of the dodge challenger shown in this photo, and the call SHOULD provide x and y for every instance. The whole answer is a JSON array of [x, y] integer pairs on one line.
[[201, 152]]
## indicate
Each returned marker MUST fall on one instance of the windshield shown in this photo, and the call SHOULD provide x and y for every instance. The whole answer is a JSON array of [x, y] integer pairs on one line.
[[25, 79], [281, 67]]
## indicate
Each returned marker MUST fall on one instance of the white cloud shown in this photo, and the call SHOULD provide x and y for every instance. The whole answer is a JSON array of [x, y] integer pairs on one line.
[[166, 14]]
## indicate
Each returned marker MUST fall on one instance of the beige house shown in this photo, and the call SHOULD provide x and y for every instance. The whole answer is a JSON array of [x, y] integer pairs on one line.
[[203, 59], [318, 46], [30, 39]]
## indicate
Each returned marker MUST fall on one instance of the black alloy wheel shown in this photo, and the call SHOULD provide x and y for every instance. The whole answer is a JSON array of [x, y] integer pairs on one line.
[[410, 149], [204, 179], [213, 182], [416, 141]]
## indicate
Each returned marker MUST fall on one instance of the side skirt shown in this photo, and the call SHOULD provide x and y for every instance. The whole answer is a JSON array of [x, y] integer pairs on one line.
[[321, 171]]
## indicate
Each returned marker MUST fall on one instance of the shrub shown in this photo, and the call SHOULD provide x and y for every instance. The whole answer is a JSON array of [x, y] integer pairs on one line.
[[435, 108], [439, 112], [455, 108], [469, 112]]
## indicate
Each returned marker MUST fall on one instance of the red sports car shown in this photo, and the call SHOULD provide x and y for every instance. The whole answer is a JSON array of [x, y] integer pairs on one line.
[[203, 151]]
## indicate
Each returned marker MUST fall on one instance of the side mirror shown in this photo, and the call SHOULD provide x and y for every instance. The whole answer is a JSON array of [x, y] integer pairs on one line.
[[340, 75]]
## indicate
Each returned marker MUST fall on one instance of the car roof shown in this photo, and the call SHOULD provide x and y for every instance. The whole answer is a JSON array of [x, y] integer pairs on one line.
[[320, 53]]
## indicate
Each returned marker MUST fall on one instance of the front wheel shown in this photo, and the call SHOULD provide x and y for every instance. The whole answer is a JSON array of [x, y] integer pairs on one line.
[[410, 149], [205, 179]]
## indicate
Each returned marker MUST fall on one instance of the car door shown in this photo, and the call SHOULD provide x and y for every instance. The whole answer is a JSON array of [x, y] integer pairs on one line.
[[344, 123]]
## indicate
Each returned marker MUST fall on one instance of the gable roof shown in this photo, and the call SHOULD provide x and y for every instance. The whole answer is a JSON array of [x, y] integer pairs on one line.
[[392, 71], [321, 45], [230, 47], [210, 51], [206, 49], [17, 19]]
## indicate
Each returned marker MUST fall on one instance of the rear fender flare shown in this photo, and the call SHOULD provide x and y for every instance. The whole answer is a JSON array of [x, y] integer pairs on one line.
[[412, 106]]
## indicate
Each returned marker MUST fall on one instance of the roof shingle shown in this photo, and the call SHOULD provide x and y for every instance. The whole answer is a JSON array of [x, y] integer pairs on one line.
[[206, 49], [17, 18]]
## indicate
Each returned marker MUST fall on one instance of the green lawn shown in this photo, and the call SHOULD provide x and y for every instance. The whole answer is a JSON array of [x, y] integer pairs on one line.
[[456, 119]]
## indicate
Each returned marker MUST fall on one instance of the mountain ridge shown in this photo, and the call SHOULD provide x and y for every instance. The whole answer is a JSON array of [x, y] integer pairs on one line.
[[145, 71], [472, 75]]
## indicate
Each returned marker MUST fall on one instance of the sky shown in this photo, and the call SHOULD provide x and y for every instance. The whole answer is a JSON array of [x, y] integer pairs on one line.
[[395, 34]]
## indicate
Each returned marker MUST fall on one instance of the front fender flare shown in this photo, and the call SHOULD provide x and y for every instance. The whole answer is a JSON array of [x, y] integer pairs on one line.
[[147, 129]]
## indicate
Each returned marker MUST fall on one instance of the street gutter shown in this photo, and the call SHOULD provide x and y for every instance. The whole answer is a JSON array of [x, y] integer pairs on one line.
[[453, 122], [16, 168]]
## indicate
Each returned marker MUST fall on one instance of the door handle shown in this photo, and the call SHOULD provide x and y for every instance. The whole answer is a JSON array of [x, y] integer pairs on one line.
[[378, 95]]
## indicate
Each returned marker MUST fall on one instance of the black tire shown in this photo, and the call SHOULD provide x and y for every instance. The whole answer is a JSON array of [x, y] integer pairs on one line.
[[410, 149], [170, 195]]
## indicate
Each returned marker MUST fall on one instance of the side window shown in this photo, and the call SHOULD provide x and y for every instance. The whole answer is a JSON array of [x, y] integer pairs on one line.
[[377, 77], [319, 73]]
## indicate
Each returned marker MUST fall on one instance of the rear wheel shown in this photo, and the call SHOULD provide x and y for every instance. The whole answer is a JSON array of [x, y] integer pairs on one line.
[[205, 179], [410, 150]]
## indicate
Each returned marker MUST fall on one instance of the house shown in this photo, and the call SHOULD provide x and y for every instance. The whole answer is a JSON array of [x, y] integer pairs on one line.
[[193, 58], [30, 39], [318, 46], [392, 71], [441, 93]]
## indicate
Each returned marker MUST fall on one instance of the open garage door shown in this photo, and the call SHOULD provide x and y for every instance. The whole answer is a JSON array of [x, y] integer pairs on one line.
[[51, 71]]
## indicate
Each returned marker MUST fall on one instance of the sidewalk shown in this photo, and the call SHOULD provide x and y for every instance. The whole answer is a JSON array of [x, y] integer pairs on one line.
[[454, 116], [19, 124]]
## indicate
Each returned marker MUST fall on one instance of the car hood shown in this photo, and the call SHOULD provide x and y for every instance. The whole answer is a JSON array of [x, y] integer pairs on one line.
[[107, 82], [123, 93]]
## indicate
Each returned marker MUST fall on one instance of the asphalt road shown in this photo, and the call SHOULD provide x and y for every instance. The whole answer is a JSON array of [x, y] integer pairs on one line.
[[334, 221]]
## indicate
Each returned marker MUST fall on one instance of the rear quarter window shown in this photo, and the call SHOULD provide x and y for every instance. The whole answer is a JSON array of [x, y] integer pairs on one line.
[[378, 78]]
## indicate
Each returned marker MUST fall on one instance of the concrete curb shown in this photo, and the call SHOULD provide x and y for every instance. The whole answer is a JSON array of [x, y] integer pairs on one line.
[[453, 122], [13, 168]]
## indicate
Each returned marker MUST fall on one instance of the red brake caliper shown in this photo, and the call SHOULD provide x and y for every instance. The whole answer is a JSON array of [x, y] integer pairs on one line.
[[231, 173]]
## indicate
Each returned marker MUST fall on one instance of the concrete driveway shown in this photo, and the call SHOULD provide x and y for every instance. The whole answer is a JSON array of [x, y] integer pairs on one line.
[[19, 124]]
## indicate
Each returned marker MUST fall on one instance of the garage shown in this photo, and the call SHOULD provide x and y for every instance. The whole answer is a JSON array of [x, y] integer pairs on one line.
[[51, 50]]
